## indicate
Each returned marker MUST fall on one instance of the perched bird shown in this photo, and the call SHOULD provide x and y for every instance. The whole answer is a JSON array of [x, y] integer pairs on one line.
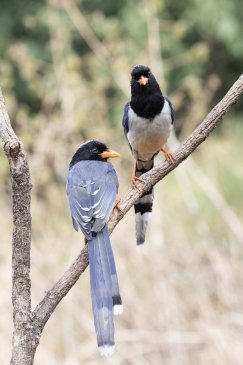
[[92, 187], [147, 122]]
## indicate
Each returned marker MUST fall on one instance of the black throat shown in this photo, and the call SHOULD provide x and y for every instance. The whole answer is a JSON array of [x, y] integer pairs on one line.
[[147, 101]]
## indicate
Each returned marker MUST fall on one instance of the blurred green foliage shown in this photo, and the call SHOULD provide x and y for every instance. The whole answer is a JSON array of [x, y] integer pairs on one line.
[[65, 67]]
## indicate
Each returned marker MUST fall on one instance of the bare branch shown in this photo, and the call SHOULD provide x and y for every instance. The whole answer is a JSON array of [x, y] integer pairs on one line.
[[61, 288], [21, 188]]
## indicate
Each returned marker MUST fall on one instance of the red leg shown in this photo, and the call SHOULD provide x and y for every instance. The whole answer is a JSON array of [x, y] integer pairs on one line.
[[117, 205], [134, 177], [168, 155]]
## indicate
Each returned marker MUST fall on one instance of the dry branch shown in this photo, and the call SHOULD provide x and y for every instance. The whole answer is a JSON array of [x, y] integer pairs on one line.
[[29, 325], [21, 240]]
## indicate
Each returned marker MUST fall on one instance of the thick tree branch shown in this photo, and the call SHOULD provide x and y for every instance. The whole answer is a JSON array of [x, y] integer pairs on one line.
[[53, 297], [21, 240]]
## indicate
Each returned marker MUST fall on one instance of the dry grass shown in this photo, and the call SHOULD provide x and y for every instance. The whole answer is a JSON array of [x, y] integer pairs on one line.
[[182, 294]]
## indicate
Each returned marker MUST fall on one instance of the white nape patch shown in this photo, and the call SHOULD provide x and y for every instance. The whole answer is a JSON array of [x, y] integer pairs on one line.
[[117, 309], [106, 350], [83, 144]]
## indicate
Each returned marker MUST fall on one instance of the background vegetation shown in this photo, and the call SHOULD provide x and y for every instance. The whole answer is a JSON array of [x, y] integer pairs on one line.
[[65, 73]]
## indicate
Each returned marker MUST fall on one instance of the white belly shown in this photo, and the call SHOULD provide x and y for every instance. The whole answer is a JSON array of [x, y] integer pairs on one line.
[[149, 136]]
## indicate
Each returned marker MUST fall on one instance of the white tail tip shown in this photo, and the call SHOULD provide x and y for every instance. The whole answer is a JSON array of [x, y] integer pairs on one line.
[[140, 247], [106, 350], [117, 309]]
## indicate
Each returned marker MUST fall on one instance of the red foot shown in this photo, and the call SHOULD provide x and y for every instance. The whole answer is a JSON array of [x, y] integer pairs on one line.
[[168, 155], [117, 205], [135, 179]]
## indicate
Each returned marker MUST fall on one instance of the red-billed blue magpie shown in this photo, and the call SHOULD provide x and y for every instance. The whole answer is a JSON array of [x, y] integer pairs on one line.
[[147, 122], [92, 187]]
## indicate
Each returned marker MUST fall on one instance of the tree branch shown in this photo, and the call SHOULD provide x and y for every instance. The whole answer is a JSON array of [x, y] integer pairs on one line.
[[60, 289], [21, 239]]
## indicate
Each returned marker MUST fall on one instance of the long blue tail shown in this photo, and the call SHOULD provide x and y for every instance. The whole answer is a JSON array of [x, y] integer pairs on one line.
[[106, 299]]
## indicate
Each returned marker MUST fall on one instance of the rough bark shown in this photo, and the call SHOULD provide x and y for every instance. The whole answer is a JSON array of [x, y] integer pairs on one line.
[[28, 325], [21, 240]]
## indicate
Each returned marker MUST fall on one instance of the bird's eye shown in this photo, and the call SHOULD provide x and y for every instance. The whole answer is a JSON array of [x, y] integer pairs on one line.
[[94, 150]]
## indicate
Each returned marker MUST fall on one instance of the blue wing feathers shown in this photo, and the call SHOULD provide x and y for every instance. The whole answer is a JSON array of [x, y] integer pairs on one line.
[[91, 198], [125, 119], [172, 112], [125, 122]]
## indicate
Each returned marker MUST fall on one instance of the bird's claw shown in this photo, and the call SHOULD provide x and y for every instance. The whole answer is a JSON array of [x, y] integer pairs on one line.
[[135, 179], [134, 182], [168, 155], [117, 205]]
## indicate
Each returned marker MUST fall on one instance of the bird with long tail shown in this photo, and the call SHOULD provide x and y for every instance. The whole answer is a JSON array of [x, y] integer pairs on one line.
[[92, 186]]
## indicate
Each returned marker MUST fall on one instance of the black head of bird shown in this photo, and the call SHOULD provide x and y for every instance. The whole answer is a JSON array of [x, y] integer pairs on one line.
[[93, 150], [143, 81], [146, 97]]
